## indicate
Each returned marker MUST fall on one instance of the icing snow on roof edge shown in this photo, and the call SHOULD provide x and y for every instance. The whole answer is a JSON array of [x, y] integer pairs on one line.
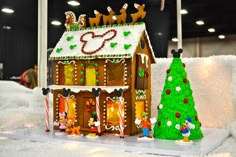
[[116, 41]]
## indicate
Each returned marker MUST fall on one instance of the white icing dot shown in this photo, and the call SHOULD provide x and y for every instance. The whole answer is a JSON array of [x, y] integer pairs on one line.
[[160, 106], [177, 126], [170, 78], [178, 88], [169, 123]]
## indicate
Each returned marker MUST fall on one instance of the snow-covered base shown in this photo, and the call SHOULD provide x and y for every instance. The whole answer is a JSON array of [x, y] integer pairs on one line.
[[212, 139], [92, 137], [183, 143], [145, 139]]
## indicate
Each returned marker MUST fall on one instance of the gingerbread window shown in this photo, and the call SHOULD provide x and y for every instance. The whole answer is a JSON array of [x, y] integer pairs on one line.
[[115, 74], [90, 74], [67, 106], [139, 109], [141, 71], [112, 113], [68, 74]]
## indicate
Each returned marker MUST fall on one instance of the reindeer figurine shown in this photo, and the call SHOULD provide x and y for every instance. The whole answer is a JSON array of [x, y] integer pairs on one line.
[[95, 20], [140, 14], [109, 18], [122, 17]]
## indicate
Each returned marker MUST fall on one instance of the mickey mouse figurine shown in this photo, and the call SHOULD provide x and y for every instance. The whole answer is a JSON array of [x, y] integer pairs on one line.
[[93, 124]]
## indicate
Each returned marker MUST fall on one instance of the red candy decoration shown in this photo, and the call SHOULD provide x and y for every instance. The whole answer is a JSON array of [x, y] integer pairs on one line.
[[185, 80], [196, 118], [168, 91], [158, 107], [183, 64], [92, 34], [177, 115], [185, 100], [168, 71], [159, 123]]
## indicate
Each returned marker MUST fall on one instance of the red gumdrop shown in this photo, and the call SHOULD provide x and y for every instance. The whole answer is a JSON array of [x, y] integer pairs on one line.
[[183, 64], [159, 123], [177, 115], [196, 118], [168, 91], [185, 80], [185, 100], [168, 71]]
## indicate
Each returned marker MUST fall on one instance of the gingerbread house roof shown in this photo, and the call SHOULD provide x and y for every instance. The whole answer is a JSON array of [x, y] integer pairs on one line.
[[116, 41]]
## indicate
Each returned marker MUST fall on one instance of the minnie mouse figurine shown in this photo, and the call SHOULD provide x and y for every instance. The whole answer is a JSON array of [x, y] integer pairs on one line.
[[62, 121]]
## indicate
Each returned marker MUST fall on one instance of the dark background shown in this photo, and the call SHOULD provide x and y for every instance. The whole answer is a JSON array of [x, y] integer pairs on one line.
[[18, 45]]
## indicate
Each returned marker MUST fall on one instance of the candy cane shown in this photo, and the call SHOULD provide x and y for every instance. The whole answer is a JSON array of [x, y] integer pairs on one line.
[[98, 113], [67, 104], [47, 113], [121, 117]]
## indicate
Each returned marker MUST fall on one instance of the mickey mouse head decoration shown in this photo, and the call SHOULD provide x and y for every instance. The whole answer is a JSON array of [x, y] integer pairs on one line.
[[65, 92], [45, 91], [118, 92], [176, 54], [95, 92]]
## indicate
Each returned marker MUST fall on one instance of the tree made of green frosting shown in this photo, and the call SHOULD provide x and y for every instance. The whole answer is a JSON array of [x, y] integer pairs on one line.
[[177, 104]]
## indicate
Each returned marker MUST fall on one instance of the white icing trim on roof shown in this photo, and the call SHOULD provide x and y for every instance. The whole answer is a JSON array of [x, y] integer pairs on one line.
[[72, 49], [77, 89]]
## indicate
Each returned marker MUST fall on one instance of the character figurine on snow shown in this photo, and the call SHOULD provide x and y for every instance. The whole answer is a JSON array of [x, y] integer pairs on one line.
[[145, 124], [93, 123], [62, 121], [185, 129]]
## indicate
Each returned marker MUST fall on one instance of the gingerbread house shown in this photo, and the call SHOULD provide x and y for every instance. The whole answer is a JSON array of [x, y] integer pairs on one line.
[[108, 70]]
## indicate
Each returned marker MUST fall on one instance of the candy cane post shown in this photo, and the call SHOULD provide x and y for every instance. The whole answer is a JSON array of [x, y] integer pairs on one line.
[[46, 93], [96, 93], [65, 93], [121, 108]]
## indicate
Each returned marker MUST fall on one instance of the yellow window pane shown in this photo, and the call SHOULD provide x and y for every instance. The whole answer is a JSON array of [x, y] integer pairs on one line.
[[90, 76], [112, 113], [71, 109], [139, 107], [69, 74]]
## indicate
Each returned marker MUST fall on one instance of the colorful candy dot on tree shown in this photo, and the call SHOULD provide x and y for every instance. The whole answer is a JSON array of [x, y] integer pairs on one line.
[[185, 80], [168, 71], [177, 115], [185, 100], [168, 92], [169, 123], [170, 78], [178, 88]]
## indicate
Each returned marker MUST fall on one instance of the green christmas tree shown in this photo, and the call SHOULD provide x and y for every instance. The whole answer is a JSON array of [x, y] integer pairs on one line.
[[177, 104]]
